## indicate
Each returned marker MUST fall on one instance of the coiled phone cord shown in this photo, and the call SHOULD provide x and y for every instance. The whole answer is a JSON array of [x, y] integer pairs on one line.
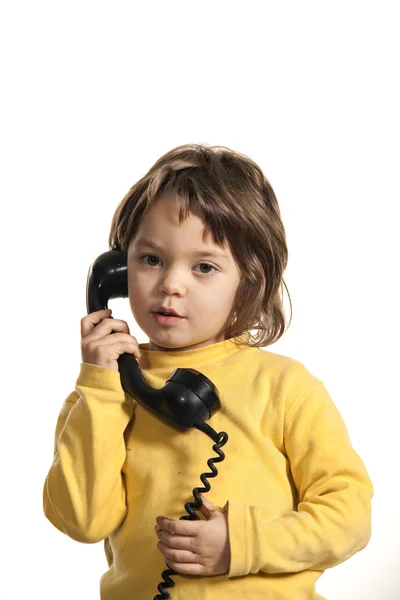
[[220, 440]]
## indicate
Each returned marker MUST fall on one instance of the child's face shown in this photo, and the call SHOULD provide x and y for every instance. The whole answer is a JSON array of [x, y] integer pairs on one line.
[[199, 288]]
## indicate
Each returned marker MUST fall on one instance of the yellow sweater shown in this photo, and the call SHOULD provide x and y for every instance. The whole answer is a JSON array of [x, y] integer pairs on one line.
[[297, 495]]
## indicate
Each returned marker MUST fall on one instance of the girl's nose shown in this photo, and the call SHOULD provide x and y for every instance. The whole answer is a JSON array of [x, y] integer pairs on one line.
[[173, 283]]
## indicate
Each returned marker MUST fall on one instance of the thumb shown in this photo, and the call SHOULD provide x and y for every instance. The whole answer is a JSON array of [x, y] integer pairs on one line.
[[207, 508]]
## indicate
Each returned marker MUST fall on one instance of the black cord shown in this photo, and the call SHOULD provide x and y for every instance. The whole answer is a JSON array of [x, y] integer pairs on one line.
[[220, 440]]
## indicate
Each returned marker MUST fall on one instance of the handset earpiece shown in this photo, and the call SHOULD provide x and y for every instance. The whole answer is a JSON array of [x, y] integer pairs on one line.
[[188, 396], [107, 279]]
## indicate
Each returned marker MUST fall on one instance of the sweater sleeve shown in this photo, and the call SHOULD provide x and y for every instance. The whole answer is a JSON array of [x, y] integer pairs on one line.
[[84, 493], [333, 517]]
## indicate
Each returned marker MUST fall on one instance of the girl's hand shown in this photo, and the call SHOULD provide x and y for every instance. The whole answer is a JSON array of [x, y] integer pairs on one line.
[[196, 547], [105, 339]]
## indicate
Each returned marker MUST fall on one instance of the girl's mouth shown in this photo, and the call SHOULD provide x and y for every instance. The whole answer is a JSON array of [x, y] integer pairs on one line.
[[165, 319]]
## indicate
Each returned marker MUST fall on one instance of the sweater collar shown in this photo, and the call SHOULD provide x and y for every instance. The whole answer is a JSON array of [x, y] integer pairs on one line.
[[159, 359]]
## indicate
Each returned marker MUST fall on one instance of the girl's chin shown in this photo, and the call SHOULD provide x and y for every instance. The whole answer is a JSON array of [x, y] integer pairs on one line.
[[165, 346]]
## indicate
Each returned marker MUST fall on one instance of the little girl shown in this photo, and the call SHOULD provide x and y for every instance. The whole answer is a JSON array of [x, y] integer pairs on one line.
[[204, 242]]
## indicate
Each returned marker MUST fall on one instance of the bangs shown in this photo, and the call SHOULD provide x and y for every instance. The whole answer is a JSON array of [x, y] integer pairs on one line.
[[191, 194]]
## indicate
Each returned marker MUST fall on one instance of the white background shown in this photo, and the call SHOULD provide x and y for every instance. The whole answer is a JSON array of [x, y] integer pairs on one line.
[[92, 94]]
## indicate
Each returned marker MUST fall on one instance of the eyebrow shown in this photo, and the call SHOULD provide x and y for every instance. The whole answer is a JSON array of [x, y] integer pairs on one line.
[[205, 252]]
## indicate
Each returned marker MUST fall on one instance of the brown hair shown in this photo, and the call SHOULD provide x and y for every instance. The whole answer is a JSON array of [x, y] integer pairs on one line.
[[238, 205]]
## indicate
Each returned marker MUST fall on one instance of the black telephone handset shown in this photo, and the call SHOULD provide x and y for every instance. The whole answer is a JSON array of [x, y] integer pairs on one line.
[[188, 395], [187, 399]]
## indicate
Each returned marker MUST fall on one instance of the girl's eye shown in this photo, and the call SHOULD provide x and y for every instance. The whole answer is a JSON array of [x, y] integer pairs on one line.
[[205, 265], [150, 256], [152, 264]]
